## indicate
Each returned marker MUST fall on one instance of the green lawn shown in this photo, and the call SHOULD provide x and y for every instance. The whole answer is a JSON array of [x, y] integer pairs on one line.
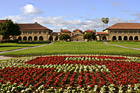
[[127, 44], [12, 46], [75, 48]]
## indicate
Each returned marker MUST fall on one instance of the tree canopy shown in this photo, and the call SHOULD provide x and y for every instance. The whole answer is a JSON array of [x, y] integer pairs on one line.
[[89, 36], [9, 28], [64, 37]]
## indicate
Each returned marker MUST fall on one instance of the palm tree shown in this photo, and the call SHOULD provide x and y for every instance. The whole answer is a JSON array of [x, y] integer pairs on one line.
[[105, 21]]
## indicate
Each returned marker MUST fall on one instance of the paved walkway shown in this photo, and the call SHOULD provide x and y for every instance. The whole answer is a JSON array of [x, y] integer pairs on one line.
[[5, 57], [26, 48], [121, 46]]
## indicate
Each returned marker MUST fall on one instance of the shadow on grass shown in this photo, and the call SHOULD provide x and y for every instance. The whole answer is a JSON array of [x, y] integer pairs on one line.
[[14, 46], [39, 42]]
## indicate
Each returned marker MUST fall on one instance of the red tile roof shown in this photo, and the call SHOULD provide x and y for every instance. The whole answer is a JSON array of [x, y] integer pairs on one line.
[[66, 31], [2, 21], [34, 26], [54, 33], [125, 26], [77, 30], [103, 33], [89, 30]]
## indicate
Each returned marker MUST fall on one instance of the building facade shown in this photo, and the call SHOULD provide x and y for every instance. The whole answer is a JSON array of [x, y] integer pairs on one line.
[[34, 32], [77, 34], [123, 32], [117, 32]]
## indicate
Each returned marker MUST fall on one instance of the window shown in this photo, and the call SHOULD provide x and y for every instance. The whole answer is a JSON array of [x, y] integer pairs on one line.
[[111, 31], [115, 31], [135, 31], [24, 32], [44, 32], [119, 31], [125, 31], [130, 31], [30, 32], [35, 32], [39, 32]]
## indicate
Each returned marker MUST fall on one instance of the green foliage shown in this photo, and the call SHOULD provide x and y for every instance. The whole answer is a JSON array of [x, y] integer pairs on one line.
[[89, 36], [105, 20], [64, 37], [9, 28]]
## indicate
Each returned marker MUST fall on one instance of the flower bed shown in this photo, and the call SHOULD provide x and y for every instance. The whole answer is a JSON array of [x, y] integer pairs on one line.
[[70, 74]]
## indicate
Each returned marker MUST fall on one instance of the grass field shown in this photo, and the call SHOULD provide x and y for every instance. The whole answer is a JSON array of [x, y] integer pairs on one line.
[[127, 44], [12, 46], [76, 48]]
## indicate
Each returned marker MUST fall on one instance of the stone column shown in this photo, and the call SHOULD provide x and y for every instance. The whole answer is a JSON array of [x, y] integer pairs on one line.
[[54, 38]]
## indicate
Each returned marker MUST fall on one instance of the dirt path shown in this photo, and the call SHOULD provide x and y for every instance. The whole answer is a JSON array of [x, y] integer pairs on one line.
[[121, 46], [26, 48]]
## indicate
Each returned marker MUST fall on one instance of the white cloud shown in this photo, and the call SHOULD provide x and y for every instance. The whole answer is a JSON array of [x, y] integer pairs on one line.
[[61, 22], [30, 10], [121, 20], [16, 18], [58, 22], [137, 15]]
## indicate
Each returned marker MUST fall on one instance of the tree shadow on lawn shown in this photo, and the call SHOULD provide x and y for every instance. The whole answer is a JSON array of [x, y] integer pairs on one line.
[[43, 42], [14, 46]]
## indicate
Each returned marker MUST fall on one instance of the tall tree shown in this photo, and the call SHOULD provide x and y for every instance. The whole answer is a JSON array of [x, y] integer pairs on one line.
[[105, 21], [9, 28]]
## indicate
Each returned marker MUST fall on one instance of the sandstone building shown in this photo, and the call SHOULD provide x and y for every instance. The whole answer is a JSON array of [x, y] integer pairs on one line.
[[122, 32], [117, 32]]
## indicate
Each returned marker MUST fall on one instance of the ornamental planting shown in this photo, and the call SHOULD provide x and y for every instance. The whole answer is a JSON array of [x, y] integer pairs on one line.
[[62, 74]]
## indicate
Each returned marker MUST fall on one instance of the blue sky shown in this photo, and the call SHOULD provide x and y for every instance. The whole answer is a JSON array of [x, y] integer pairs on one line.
[[70, 14]]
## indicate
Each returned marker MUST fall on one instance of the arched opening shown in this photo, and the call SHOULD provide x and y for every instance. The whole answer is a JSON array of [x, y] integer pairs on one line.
[[35, 38], [114, 38], [136, 38], [19, 38], [30, 38], [125, 38], [50, 38], [104, 38], [24, 38], [130, 38], [120, 38], [40, 38], [56, 38]]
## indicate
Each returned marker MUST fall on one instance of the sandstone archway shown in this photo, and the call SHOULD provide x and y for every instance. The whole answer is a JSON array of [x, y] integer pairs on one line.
[[56, 38], [136, 38], [51, 38], [114, 38], [30, 38], [130, 38], [119, 37], [104, 38], [40, 38], [125, 38], [24, 38], [19, 38], [35, 38]]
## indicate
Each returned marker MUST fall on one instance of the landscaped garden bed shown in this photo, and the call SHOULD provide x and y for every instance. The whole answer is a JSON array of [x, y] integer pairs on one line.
[[82, 74]]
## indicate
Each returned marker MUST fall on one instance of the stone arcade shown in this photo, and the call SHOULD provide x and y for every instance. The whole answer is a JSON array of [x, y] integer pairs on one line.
[[117, 32]]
